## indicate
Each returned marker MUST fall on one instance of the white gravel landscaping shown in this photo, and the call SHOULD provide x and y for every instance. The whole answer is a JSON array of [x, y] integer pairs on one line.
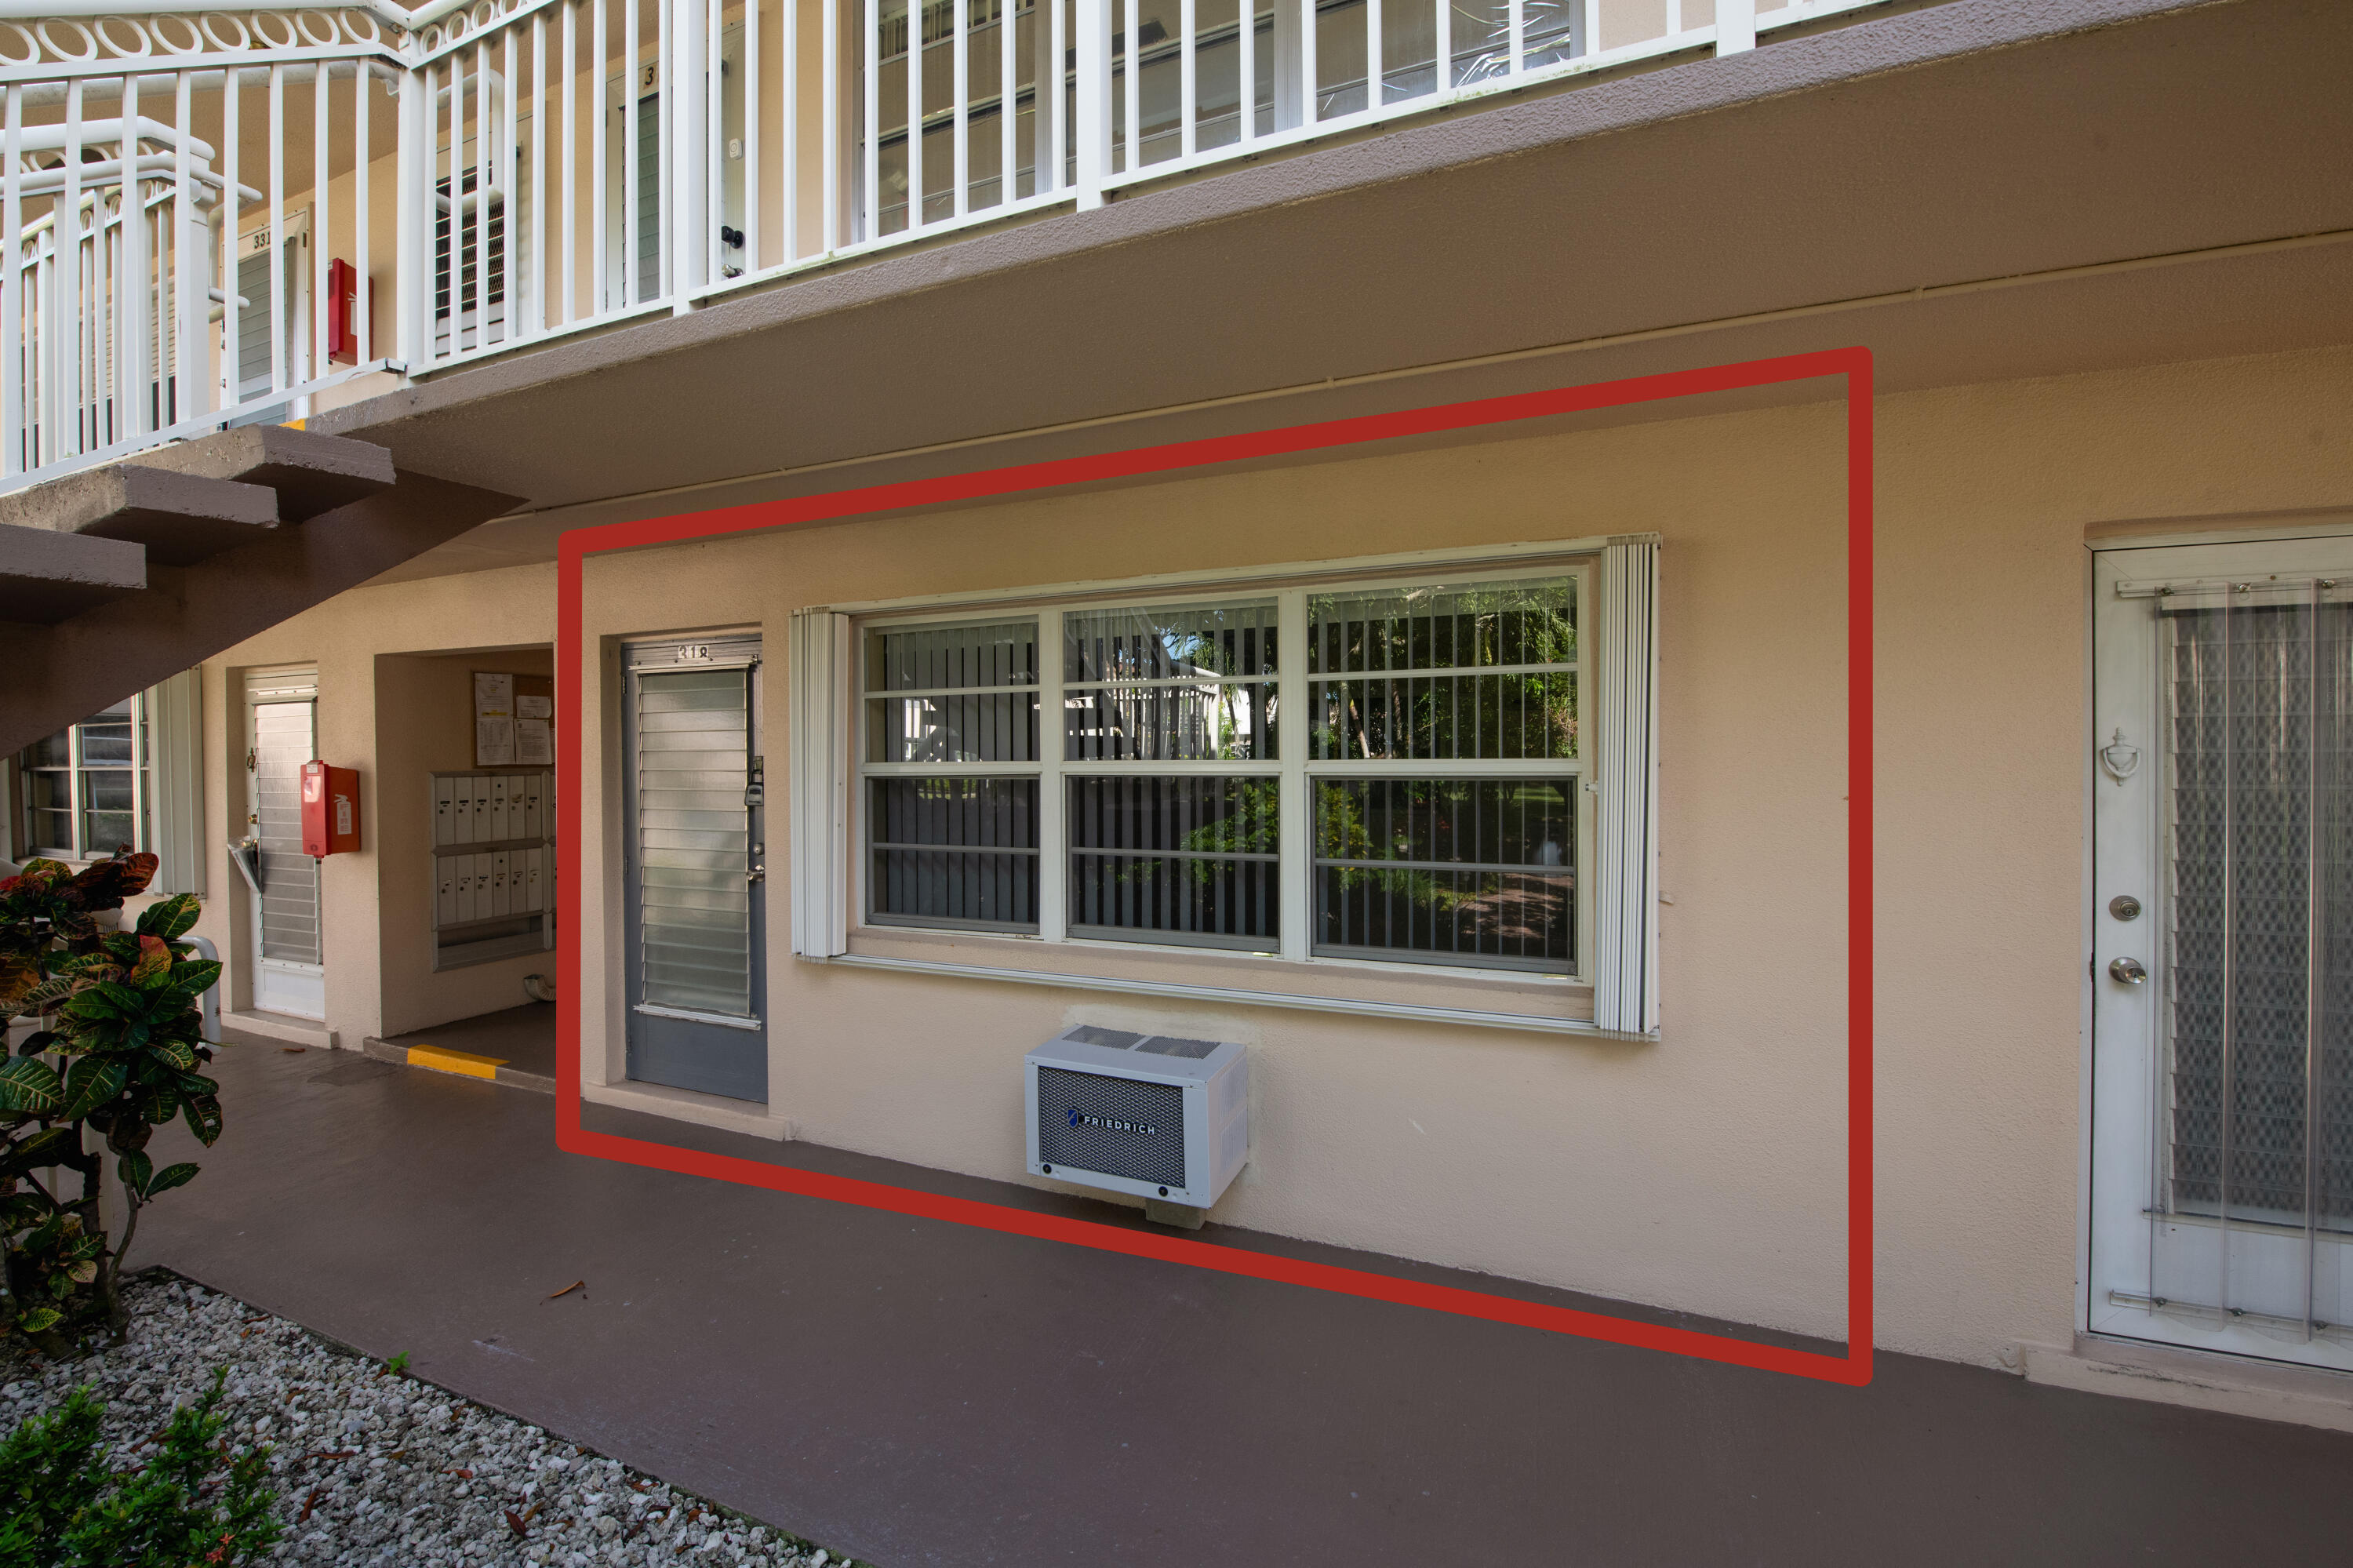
[[374, 1467]]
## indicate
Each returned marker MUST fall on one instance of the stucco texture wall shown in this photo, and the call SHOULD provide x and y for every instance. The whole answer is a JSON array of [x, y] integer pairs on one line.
[[1703, 1172]]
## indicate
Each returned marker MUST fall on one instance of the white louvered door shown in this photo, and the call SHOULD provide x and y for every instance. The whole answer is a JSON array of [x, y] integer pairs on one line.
[[281, 734]]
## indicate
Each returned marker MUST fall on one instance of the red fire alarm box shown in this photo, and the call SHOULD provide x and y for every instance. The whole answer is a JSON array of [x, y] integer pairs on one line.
[[342, 312], [331, 809]]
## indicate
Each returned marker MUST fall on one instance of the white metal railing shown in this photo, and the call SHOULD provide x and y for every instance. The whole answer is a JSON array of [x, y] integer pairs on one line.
[[209, 208]]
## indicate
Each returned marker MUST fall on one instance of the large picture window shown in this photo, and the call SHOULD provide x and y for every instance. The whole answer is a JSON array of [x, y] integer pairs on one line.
[[1389, 771]]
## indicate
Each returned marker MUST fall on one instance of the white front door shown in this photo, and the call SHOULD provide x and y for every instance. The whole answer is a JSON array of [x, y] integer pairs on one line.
[[2223, 950], [281, 734]]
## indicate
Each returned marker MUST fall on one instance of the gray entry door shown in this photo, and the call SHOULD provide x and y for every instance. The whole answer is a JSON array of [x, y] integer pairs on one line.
[[281, 736], [696, 873]]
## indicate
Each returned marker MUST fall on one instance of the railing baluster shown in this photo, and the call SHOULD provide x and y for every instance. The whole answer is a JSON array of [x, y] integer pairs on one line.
[[361, 325], [1187, 91], [870, 220], [13, 360], [630, 286], [67, 228], [714, 181], [1131, 99], [959, 105], [536, 321], [276, 267], [522, 291], [322, 231], [829, 73], [1008, 176], [486, 172], [1246, 46], [231, 210], [672, 169], [570, 74], [1515, 38], [915, 96], [599, 132], [133, 352], [1443, 78], [753, 248], [1735, 25], [1308, 80], [1374, 50], [1049, 129], [1093, 133]]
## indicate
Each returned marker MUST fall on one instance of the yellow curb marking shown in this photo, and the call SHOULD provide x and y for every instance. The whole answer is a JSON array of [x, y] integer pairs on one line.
[[447, 1060]]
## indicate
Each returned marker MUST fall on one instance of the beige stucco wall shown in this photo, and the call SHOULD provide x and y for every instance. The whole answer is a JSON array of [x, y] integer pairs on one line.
[[1704, 1172], [374, 921]]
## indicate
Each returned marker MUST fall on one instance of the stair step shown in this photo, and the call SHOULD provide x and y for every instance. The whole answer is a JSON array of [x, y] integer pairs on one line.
[[46, 575], [310, 473], [181, 518]]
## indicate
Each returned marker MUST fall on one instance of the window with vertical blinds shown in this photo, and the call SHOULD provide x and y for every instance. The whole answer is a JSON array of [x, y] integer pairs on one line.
[[1387, 771]]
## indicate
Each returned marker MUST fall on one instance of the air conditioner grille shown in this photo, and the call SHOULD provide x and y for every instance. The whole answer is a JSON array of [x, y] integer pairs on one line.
[[1118, 1127]]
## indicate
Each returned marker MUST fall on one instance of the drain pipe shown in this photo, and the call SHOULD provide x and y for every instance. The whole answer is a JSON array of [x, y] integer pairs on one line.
[[211, 1002]]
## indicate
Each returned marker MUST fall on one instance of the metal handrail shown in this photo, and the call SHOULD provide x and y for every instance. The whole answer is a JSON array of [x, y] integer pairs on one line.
[[211, 999]]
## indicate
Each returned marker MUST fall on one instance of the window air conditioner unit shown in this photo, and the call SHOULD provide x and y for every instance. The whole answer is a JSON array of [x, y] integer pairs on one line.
[[1149, 1115]]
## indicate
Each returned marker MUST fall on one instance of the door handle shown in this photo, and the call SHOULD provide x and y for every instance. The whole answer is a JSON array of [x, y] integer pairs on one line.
[[757, 874], [2128, 971]]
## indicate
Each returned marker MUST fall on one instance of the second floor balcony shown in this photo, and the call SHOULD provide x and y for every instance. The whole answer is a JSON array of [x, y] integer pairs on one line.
[[258, 215]]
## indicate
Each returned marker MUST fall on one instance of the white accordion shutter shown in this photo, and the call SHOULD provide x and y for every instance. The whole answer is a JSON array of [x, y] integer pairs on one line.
[[1626, 897], [819, 728]]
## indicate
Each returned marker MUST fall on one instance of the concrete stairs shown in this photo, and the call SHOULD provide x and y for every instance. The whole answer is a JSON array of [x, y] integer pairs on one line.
[[113, 578]]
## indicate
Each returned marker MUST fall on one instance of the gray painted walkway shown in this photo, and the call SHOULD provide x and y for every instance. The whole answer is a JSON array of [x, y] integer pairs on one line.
[[920, 1393]]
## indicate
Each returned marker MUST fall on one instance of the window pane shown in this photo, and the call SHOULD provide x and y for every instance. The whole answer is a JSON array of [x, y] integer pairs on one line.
[[51, 824], [954, 851], [973, 694], [107, 738], [57, 751], [1155, 686], [1223, 721], [109, 821], [1398, 673], [1476, 871], [1160, 645], [1189, 859]]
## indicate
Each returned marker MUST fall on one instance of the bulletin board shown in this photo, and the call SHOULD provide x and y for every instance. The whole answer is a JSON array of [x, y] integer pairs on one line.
[[515, 720]]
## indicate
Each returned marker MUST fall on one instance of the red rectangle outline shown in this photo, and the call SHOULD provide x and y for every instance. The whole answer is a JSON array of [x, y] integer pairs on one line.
[[1854, 363]]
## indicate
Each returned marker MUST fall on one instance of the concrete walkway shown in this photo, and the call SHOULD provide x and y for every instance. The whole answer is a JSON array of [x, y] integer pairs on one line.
[[919, 1392]]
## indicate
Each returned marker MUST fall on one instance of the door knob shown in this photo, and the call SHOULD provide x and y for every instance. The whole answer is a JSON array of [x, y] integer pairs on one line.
[[2127, 971]]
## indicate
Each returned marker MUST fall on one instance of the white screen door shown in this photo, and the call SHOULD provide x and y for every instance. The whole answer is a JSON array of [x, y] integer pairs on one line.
[[281, 732], [2222, 959]]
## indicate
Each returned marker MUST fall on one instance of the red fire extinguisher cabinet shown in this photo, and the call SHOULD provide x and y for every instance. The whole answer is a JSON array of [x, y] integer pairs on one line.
[[331, 809]]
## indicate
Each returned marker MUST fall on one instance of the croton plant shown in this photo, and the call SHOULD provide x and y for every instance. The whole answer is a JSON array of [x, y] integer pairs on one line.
[[117, 1049]]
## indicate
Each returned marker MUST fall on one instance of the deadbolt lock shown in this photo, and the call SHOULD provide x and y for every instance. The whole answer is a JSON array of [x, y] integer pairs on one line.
[[2125, 906]]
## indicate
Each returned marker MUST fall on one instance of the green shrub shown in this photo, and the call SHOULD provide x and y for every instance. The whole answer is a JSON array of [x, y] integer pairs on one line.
[[194, 1505], [119, 1013]]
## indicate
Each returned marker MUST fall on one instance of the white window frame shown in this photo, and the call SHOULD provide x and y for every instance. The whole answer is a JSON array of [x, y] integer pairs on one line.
[[141, 768], [1616, 769]]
